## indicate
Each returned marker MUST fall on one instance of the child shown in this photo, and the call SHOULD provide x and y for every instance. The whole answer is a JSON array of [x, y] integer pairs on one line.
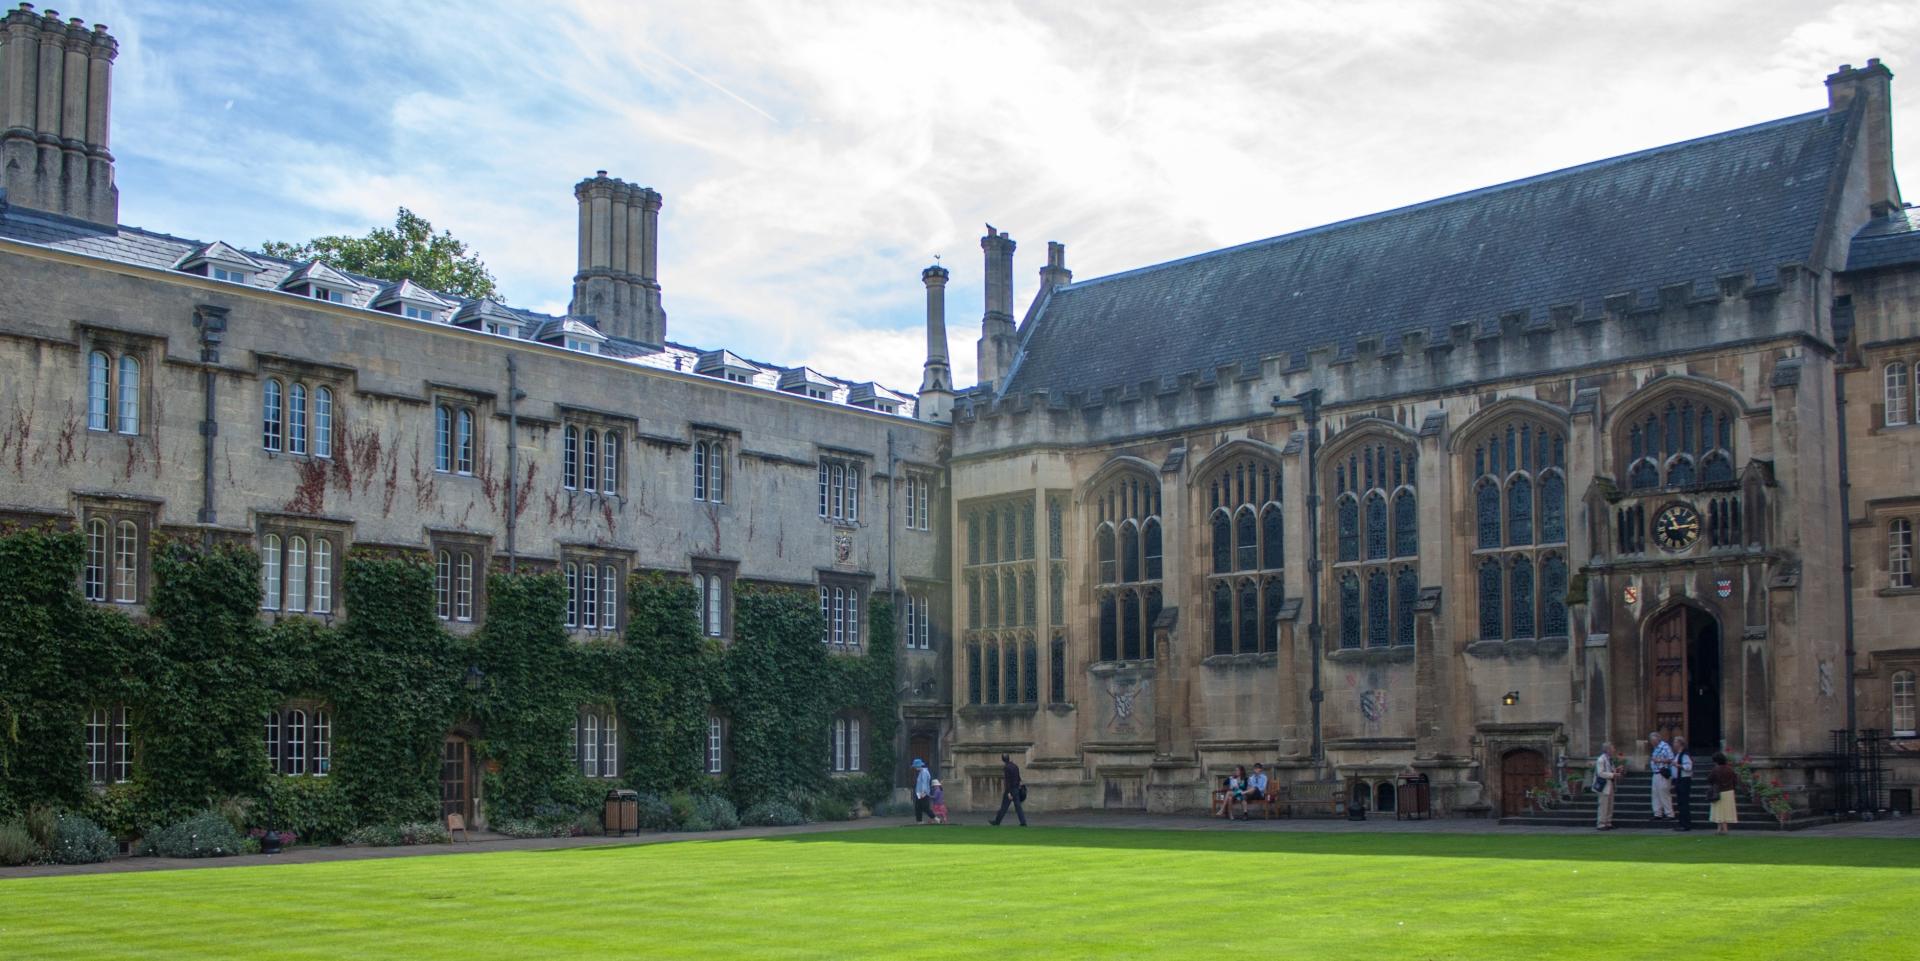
[[939, 799]]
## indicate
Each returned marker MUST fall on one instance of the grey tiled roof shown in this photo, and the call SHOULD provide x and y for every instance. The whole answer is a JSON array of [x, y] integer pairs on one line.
[[1744, 200], [1885, 242], [133, 245]]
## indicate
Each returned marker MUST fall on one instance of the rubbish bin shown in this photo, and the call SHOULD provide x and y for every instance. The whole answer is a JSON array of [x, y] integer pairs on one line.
[[622, 813], [1357, 797]]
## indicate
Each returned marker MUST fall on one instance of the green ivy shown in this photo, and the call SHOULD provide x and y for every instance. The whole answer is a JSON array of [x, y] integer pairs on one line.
[[776, 671], [527, 697], [396, 685], [666, 682], [199, 716]]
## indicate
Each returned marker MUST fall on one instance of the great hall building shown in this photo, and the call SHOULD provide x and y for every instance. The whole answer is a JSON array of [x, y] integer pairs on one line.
[[1466, 488]]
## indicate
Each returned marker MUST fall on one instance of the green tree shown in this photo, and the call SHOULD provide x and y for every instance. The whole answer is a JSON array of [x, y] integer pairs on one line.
[[408, 250]]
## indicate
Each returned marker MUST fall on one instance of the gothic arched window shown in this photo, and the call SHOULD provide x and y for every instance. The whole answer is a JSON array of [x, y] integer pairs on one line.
[[1679, 442], [1376, 518], [1128, 539], [1406, 589], [1520, 509], [1244, 501]]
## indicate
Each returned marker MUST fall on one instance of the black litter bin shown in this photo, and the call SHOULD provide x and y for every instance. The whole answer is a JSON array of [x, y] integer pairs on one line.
[[622, 813]]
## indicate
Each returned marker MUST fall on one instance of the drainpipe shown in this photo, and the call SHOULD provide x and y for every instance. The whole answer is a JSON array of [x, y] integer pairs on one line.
[[514, 396], [1842, 334], [212, 323], [1309, 403]]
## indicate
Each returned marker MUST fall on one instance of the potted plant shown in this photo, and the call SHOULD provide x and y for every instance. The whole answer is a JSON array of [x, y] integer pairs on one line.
[[272, 841]]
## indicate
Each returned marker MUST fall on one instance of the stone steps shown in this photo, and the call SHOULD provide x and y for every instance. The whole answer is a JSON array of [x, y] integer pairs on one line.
[[1633, 810]]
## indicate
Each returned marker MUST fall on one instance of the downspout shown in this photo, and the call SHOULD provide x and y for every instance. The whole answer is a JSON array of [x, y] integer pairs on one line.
[[893, 487], [1310, 410], [513, 461], [1842, 334], [212, 322]]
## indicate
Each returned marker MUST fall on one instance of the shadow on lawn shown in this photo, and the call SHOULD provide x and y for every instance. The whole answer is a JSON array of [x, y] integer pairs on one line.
[[1662, 847]]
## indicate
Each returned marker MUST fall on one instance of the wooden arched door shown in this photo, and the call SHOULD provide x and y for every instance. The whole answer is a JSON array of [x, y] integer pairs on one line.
[[1521, 770]]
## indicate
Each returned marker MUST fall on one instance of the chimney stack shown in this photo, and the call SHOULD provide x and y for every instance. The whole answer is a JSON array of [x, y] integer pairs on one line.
[[616, 282], [55, 79], [996, 328], [936, 384], [1055, 273], [1871, 87]]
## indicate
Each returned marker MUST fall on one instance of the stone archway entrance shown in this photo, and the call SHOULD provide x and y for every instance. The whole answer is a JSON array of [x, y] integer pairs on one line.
[[1521, 770], [1684, 675]]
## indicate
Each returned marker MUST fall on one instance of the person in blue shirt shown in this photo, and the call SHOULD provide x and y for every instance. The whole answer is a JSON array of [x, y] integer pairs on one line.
[[1661, 763], [1256, 788], [922, 791]]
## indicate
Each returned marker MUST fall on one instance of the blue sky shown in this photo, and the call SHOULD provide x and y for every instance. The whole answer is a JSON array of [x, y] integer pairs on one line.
[[814, 157]]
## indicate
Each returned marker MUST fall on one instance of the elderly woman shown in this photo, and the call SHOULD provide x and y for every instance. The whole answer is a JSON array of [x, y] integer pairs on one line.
[[1722, 780]]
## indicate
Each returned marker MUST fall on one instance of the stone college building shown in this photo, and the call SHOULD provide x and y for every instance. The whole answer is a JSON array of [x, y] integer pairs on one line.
[[1466, 488]]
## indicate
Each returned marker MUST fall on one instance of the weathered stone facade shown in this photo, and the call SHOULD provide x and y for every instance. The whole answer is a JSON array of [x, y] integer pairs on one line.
[[1521, 472], [1436, 547]]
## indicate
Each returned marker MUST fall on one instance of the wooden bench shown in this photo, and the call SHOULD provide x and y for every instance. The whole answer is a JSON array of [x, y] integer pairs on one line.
[[1267, 805], [1289, 797]]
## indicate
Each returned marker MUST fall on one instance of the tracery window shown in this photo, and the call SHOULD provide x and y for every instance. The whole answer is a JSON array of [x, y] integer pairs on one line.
[[1128, 593], [1520, 518], [1003, 592], [1248, 552], [1376, 542], [1683, 442]]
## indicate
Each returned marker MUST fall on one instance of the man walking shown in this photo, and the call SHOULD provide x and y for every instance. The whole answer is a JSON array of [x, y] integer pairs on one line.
[[1603, 778], [922, 790], [1682, 785], [1661, 764], [1012, 792]]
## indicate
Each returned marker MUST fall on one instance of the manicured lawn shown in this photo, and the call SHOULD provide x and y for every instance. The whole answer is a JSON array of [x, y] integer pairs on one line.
[[906, 894]]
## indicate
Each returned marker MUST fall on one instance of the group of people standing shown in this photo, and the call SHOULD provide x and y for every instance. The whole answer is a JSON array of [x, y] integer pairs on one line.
[[930, 799], [1672, 769]]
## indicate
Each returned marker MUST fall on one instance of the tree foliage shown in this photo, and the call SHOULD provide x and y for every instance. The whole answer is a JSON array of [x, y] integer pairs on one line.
[[408, 250]]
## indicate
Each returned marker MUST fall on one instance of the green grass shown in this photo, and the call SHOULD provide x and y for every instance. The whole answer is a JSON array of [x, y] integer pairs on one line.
[[907, 894]]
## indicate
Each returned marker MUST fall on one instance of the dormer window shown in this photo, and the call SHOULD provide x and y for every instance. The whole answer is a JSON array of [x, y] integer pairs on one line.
[[327, 294], [222, 273], [575, 343], [818, 393], [738, 377], [220, 262], [417, 313]]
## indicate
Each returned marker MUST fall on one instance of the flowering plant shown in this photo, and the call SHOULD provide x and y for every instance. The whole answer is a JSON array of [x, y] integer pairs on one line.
[[285, 838]]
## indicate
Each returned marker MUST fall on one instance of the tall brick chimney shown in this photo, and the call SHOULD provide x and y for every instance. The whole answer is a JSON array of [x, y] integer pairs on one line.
[[1871, 86], [55, 79], [996, 327], [617, 282], [1055, 273], [936, 382]]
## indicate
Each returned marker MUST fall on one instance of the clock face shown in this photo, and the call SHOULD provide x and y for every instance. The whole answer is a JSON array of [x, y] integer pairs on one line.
[[1676, 527]]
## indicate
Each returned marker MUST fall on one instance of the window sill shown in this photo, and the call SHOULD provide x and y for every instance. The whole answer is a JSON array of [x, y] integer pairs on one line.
[[1141, 665], [1253, 659], [999, 710], [1898, 592], [1545, 647], [1397, 654]]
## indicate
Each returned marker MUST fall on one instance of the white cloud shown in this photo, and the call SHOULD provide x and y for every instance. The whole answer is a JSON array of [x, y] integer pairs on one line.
[[814, 157]]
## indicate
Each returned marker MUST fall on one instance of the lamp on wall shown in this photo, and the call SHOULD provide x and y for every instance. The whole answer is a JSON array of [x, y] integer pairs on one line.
[[1510, 698]]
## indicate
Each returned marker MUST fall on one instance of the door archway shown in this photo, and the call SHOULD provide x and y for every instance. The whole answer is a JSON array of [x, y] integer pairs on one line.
[[1521, 770], [1684, 675]]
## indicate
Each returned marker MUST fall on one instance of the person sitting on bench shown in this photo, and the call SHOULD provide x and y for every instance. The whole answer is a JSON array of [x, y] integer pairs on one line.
[[1233, 791], [1255, 790]]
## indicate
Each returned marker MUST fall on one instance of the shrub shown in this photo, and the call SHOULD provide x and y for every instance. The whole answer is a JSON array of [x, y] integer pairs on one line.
[[586, 824], [17, 846], [308, 806], [655, 813], [718, 812], [119, 809], [830, 809], [77, 840], [395, 835], [41, 823], [531, 828], [773, 814], [205, 835], [681, 805], [893, 809]]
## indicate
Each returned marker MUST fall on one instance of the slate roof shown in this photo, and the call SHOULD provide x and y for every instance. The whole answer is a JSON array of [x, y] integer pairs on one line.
[[146, 248], [1888, 241], [1744, 200]]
